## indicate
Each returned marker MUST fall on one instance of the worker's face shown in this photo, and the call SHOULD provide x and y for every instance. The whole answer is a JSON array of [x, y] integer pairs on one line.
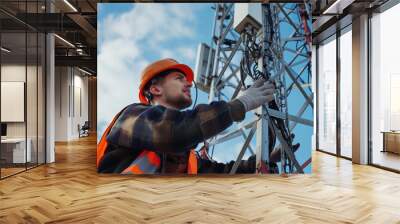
[[175, 90]]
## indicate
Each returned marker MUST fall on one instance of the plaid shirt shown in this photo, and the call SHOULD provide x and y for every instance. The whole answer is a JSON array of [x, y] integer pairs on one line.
[[166, 131]]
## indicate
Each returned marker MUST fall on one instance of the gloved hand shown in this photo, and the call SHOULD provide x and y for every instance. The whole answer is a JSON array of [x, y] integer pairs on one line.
[[261, 92]]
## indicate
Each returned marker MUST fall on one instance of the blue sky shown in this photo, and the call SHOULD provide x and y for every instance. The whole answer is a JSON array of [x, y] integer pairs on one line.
[[132, 35]]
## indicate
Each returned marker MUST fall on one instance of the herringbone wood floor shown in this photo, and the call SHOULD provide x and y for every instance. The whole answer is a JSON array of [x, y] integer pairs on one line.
[[70, 191]]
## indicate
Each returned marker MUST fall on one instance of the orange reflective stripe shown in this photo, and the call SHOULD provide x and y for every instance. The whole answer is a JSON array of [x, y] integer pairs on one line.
[[133, 169], [148, 162], [153, 158], [192, 163], [102, 146]]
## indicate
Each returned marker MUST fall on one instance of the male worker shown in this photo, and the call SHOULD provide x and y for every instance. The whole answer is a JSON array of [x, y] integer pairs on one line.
[[155, 136]]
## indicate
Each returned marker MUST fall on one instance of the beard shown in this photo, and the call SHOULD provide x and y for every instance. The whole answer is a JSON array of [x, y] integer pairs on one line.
[[180, 102]]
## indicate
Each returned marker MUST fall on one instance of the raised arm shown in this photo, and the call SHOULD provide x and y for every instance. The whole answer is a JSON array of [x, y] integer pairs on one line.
[[161, 129]]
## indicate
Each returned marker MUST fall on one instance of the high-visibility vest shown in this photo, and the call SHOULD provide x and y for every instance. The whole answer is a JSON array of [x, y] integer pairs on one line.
[[102, 146], [148, 162]]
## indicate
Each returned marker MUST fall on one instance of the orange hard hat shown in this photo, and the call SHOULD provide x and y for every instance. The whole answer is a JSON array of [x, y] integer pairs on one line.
[[156, 68]]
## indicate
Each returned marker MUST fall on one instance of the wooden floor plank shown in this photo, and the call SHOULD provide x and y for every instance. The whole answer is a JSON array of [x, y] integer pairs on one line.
[[70, 191]]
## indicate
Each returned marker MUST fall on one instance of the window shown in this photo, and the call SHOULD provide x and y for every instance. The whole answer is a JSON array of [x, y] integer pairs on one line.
[[22, 88], [327, 96], [385, 88], [346, 93]]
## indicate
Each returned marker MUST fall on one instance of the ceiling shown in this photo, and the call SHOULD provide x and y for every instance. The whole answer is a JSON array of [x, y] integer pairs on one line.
[[74, 21], [330, 15]]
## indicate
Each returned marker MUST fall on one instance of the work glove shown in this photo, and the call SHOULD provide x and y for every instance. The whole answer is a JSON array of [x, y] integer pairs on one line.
[[261, 92]]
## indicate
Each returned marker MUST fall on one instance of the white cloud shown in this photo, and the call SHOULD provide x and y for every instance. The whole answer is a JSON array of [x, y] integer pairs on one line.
[[166, 53], [126, 41], [161, 21], [187, 53]]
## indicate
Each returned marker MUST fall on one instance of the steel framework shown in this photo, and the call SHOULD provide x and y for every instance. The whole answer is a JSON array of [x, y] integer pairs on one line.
[[280, 52]]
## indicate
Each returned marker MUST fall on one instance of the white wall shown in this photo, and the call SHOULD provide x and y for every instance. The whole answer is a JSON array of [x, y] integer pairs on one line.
[[12, 73], [61, 103], [80, 89], [71, 93], [16, 73]]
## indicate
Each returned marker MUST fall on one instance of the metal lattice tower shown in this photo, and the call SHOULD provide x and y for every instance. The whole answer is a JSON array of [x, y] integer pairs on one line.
[[226, 43], [280, 51]]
